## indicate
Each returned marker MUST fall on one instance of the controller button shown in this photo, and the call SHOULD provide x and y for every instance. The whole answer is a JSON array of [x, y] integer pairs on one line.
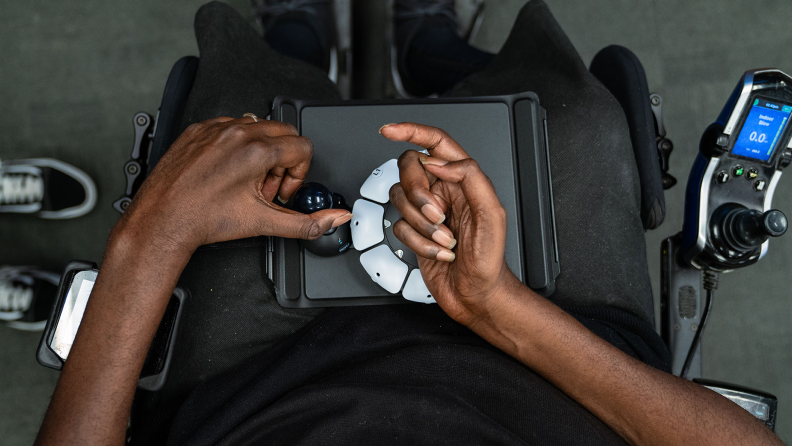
[[738, 170], [384, 268], [366, 224], [415, 289], [377, 185], [723, 177], [759, 185], [752, 173]]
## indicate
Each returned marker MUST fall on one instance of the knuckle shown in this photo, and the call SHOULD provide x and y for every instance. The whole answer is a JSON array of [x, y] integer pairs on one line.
[[471, 165], [306, 144], [310, 230], [235, 132], [406, 158], [402, 230], [257, 150], [395, 193]]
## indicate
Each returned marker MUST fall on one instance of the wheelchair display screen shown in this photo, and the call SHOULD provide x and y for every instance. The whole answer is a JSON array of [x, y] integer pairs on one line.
[[762, 129], [72, 312]]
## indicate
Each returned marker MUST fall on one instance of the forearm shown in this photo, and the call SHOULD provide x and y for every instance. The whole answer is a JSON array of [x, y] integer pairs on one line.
[[641, 403], [94, 394]]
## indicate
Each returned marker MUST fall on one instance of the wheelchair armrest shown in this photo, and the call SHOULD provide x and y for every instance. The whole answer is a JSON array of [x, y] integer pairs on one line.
[[622, 74]]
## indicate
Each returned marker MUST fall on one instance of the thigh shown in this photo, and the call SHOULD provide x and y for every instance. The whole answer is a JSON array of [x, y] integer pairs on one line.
[[239, 73], [595, 181], [233, 314]]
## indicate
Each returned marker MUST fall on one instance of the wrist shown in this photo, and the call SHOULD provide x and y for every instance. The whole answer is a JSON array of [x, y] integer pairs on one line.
[[484, 308], [135, 245], [134, 233]]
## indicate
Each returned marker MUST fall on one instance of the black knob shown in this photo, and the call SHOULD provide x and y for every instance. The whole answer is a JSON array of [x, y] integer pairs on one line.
[[774, 223], [313, 197], [740, 229]]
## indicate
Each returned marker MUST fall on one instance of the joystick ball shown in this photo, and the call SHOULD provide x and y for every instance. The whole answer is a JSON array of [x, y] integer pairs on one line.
[[313, 197]]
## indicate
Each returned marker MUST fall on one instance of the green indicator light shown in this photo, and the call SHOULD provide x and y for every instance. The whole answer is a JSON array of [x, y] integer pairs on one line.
[[756, 102], [738, 171]]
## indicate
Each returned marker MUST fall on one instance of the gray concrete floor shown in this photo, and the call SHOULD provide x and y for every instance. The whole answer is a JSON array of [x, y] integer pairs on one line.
[[73, 73]]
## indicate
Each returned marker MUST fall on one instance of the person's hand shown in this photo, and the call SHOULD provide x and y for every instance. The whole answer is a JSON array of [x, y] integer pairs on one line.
[[448, 204], [219, 181]]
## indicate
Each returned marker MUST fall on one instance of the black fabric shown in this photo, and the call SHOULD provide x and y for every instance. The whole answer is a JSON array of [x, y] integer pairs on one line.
[[61, 190], [231, 317], [295, 39], [435, 58], [385, 375], [623, 75], [239, 73], [602, 250]]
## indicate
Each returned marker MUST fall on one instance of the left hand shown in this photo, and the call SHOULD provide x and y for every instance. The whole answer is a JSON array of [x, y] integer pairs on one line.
[[218, 182], [446, 203]]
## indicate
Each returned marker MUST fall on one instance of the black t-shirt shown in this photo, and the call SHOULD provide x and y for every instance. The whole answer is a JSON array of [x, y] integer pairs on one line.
[[404, 374]]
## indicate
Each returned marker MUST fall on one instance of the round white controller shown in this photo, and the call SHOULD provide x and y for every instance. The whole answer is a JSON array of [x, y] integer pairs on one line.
[[386, 260]]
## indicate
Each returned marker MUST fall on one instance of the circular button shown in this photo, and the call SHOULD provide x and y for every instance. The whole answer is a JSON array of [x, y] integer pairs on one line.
[[759, 185], [738, 170], [752, 173], [723, 177]]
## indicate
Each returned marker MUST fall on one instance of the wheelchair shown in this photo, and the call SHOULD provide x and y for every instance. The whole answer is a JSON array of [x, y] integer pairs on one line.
[[622, 74]]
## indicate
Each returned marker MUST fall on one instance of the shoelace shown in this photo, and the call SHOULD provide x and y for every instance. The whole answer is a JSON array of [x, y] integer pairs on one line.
[[281, 7], [413, 9], [21, 189], [15, 298]]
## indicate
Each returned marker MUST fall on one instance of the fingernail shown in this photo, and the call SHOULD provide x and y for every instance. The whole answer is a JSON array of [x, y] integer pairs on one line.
[[342, 219], [433, 161], [433, 213], [444, 239], [445, 256], [282, 200], [386, 125]]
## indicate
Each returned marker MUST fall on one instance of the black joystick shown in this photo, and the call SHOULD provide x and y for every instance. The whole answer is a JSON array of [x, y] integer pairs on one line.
[[312, 197], [741, 230]]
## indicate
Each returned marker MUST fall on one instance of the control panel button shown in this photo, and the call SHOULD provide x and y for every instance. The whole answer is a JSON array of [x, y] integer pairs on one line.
[[752, 173], [759, 185], [723, 177], [367, 224], [738, 170]]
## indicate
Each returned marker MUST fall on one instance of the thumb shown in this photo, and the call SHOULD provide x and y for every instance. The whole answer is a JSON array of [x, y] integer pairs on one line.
[[282, 222]]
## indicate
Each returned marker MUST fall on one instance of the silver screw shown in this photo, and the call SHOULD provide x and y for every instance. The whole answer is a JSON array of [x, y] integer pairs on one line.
[[677, 327], [399, 253], [387, 223], [124, 205], [655, 100], [694, 327], [132, 169], [141, 120]]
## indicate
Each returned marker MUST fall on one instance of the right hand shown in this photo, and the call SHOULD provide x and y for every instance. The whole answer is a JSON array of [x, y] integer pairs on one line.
[[449, 187]]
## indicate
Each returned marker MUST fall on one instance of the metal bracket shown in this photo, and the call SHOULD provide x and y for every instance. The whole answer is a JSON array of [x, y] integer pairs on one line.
[[664, 145], [135, 168], [680, 306]]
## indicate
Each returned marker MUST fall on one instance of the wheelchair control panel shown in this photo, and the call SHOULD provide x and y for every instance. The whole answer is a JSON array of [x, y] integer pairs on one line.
[[729, 217]]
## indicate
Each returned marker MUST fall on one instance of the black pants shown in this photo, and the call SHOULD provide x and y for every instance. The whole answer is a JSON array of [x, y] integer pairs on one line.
[[233, 314]]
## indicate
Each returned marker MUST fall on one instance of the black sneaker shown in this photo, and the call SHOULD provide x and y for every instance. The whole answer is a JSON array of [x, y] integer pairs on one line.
[[318, 15], [49, 188], [26, 297], [408, 17]]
